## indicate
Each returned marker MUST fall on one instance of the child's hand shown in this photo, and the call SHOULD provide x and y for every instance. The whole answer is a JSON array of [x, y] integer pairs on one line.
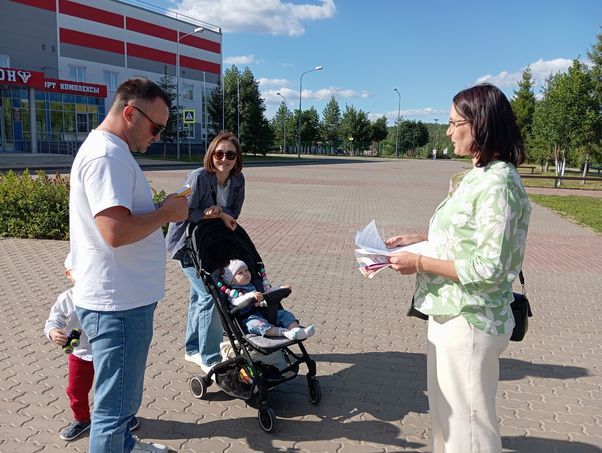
[[258, 296], [58, 337]]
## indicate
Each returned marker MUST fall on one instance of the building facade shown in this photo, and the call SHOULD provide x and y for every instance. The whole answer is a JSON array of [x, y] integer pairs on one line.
[[62, 60]]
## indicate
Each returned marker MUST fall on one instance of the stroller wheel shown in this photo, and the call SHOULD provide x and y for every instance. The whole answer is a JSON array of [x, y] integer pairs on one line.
[[267, 418], [315, 394], [198, 387]]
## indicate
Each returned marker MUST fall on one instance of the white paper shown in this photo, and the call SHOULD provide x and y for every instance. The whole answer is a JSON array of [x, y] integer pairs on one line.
[[373, 255]]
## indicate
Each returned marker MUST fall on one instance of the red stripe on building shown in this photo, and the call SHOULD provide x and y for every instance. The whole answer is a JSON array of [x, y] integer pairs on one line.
[[93, 41], [50, 5], [200, 65], [201, 43], [147, 28], [90, 13], [148, 53]]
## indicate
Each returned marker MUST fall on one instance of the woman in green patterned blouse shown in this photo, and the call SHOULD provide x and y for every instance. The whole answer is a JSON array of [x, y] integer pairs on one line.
[[477, 241]]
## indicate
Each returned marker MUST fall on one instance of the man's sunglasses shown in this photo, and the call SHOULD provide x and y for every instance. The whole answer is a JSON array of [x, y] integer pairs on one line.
[[156, 129], [219, 155]]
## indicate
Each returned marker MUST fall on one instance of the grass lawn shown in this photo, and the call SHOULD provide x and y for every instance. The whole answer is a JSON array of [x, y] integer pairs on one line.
[[584, 210]]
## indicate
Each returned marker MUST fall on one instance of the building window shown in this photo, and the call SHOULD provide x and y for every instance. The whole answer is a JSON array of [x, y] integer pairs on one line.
[[82, 122], [4, 61], [187, 94], [77, 73], [110, 79]]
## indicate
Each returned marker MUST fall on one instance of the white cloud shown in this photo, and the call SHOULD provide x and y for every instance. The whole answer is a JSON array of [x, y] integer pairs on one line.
[[240, 59], [264, 82], [322, 94], [275, 17], [540, 69], [409, 114]]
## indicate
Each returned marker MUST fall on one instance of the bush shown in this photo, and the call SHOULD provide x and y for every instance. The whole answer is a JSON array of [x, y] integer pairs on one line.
[[34, 207]]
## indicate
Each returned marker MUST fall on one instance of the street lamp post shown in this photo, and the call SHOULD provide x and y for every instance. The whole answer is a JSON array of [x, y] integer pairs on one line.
[[283, 125], [397, 130], [317, 68], [436, 137], [179, 38]]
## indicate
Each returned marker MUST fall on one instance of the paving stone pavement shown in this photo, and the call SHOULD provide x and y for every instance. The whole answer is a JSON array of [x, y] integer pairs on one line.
[[371, 361]]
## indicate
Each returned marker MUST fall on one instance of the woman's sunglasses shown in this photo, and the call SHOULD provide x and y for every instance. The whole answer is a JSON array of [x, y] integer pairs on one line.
[[219, 155]]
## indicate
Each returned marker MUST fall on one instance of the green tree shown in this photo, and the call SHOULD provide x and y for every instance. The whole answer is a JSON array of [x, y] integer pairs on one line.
[[281, 127], [412, 134], [215, 111], [379, 131], [595, 56], [255, 133], [569, 116], [244, 111], [523, 103], [355, 129], [330, 124], [167, 84], [310, 128]]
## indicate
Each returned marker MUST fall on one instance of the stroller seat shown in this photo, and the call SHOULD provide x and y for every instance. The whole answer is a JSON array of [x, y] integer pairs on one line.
[[210, 247]]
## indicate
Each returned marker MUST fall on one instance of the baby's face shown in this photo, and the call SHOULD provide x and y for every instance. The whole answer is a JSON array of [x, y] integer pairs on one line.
[[242, 277]]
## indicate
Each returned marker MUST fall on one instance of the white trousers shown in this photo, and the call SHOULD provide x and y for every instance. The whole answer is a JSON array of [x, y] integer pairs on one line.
[[462, 378]]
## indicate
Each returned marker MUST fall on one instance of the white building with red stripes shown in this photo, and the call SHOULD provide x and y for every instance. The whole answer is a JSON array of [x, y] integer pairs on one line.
[[61, 61]]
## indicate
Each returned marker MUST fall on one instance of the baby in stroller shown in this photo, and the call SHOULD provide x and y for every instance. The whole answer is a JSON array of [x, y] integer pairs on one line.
[[243, 294], [233, 273]]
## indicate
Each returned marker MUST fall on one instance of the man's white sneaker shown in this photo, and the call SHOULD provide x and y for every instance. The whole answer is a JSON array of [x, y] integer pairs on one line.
[[194, 358], [144, 447]]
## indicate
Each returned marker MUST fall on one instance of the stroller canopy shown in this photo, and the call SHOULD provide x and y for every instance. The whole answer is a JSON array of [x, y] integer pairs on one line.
[[211, 245]]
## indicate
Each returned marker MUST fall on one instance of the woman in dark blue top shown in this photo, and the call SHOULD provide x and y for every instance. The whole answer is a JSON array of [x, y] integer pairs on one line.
[[218, 191]]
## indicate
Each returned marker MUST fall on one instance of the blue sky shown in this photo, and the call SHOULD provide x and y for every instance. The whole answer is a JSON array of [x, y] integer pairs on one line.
[[428, 50]]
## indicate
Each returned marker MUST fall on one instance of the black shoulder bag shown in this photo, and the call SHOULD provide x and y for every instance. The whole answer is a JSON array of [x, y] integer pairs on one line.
[[521, 310]]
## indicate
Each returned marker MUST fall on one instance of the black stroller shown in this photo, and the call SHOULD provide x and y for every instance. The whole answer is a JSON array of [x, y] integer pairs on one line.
[[211, 245]]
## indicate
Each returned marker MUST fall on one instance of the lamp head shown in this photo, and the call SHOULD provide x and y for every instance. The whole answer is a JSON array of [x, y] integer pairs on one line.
[[318, 68]]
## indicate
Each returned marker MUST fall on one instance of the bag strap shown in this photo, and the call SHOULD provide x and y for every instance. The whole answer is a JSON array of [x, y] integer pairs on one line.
[[521, 278]]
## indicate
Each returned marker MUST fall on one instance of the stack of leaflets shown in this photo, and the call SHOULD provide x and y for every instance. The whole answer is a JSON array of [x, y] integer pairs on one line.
[[373, 255]]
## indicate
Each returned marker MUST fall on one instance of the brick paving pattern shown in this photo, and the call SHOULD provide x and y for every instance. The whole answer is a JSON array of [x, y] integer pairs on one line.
[[371, 361]]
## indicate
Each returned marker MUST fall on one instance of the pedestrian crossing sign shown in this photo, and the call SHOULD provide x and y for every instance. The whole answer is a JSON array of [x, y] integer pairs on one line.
[[189, 116]]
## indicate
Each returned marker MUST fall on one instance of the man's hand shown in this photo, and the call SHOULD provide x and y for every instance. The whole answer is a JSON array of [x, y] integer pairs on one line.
[[58, 337], [174, 208]]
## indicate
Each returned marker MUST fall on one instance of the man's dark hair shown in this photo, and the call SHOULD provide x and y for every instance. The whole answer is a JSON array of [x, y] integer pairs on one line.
[[495, 132], [139, 88]]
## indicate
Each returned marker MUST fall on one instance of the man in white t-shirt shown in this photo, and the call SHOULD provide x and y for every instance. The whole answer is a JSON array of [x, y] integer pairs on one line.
[[119, 257]]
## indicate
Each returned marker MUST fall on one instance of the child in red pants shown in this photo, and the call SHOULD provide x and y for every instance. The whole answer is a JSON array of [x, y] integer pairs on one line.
[[60, 322]]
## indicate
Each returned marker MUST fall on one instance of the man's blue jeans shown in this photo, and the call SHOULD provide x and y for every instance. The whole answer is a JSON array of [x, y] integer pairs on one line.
[[204, 329], [120, 341]]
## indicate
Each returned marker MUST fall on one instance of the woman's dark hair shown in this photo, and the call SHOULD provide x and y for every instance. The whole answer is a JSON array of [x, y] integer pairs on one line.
[[495, 132], [208, 160]]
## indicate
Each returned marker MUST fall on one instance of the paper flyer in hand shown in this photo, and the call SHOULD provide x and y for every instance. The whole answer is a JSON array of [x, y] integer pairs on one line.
[[373, 255]]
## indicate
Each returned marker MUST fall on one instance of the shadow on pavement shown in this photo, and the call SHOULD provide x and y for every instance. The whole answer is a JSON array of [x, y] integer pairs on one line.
[[367, 400]]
